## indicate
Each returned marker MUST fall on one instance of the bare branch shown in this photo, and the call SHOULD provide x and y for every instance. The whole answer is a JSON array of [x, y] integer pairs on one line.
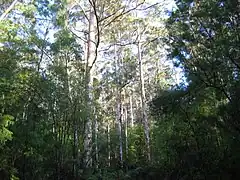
[[148, 42], [93, 3], [2, 17], [84, 13], [104, 18], [85, 41], [119, 44], [143, 9], [42, 49], [123, 13]]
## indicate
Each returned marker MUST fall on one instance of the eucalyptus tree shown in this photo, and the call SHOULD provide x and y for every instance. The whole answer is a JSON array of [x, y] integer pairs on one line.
[[76, 80], [120, 45], [31, 89], [98, 16]]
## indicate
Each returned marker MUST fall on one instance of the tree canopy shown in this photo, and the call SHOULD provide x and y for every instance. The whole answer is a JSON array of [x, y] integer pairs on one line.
[[128, 89]]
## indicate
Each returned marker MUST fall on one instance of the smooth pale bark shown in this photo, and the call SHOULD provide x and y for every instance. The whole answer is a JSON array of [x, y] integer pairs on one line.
[[151, 93], [131, 110], [108, 140], [126, 130], [96, 146], [119, 128], [91, 56], [143, 99], [119, 125], [118, 107]]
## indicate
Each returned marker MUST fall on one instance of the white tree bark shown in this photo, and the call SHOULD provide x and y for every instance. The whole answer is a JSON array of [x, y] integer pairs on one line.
[[126, 130], [118, 107], [109, 141], [143, 98], [131, 110], [91, 56]]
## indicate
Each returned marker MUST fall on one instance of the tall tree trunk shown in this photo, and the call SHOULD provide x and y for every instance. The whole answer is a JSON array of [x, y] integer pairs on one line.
[[119, 126], [131, 110], [91, 57], [126, 130], [96, 139], [75, 143], [118, 107], [109, 141], [75, 149], [143, 99]]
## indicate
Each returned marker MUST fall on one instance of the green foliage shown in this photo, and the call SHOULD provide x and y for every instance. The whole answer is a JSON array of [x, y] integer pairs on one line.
[[195, 121], [5, 122], [195, 127]]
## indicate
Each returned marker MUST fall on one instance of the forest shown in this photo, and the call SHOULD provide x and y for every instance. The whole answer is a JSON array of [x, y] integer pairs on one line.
[[119, 89]]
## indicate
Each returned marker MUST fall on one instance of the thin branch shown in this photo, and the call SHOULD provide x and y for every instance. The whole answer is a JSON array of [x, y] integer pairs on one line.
[[84, 13], [78, 36], [123, 13], [2, 17], [143, 9], [104, 18], [98, 32], [148, 42], [42, 49], [119, 44]]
